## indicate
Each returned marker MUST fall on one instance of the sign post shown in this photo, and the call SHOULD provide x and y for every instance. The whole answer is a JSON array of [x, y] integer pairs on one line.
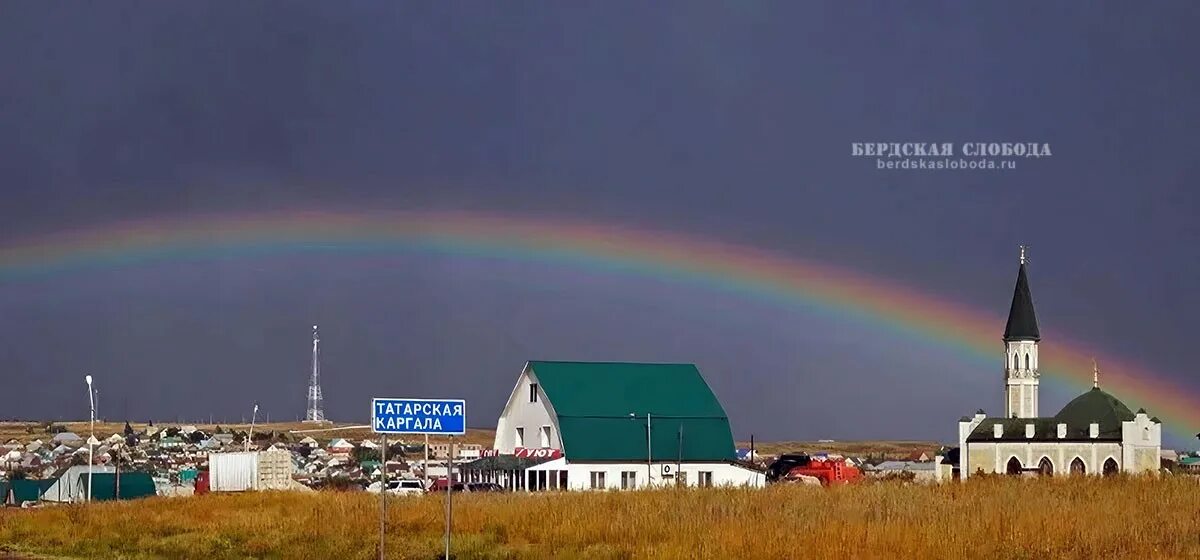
[[383, 488], [449, 495], [447, 417]]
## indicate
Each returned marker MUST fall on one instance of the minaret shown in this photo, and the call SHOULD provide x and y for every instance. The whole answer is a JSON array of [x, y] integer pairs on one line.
[[1021, 351], [316, 408]]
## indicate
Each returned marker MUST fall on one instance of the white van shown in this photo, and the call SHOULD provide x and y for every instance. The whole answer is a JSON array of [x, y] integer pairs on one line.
[[401, 486]]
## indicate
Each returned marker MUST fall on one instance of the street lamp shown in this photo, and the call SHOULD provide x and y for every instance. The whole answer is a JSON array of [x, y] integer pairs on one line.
[[91, 432], [253, 417]]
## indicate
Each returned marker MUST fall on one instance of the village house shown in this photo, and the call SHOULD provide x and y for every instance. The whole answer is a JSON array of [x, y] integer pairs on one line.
[[619, 426]]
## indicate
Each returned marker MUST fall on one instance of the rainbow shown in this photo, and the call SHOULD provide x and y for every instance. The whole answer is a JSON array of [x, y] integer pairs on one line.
[[746, 271]]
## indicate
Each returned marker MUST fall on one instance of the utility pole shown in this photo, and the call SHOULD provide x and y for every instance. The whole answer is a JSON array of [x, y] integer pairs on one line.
[[316, 406], [649, 453], [679, 464]]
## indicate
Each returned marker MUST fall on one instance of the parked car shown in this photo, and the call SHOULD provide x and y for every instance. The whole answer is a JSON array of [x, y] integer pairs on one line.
[[484, 487], [402, 486], [439, 485]]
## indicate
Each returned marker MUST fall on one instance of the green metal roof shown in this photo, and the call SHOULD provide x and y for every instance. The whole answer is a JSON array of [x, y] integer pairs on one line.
[[133, 485], [1093, 406], [1044, 429], [27, 490], [1096, 406], [602, 407]]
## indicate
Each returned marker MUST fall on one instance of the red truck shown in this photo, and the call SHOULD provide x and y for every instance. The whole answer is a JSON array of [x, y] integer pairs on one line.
[[799, 467]]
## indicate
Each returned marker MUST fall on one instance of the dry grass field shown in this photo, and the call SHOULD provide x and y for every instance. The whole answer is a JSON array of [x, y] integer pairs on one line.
[[997, 518]]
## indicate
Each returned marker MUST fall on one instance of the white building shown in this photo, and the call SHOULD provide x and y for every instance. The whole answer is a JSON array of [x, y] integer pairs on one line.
[[620, 426], [66, 487], [251, 470], [1093, 434]]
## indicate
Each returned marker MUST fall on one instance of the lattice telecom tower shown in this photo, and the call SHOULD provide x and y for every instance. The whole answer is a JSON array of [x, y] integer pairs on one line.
[[316, 406]]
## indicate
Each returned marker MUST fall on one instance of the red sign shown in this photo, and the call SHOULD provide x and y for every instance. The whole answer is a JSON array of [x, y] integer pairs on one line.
[[489, 452], [537, 452]]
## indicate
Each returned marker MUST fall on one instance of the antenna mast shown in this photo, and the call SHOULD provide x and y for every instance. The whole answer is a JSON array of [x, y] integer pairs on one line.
[[316, 407]]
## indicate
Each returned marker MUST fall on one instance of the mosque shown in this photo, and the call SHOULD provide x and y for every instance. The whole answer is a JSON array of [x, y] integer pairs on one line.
[[1093, 434]]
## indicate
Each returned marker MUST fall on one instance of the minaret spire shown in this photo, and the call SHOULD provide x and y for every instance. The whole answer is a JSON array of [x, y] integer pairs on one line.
[[1022, 321], [1095, 374]]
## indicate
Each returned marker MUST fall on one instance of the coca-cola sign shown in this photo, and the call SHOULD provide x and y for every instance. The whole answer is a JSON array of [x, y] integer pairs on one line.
[[537, 453]]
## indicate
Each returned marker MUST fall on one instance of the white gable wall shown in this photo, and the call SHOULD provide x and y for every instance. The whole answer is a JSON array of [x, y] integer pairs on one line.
[[532, 416]]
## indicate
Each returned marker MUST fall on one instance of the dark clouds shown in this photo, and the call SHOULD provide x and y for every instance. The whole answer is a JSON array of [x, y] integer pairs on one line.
[[732, 122]]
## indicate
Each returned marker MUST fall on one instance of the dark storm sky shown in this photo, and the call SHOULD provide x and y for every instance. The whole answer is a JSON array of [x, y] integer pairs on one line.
[[732, 122]]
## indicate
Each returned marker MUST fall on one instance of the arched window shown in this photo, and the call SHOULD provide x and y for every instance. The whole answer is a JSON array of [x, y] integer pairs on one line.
[[1027, 361], [1014, 466], [1110, 467], [1045, 467], [1016, 364], [1077, 466]]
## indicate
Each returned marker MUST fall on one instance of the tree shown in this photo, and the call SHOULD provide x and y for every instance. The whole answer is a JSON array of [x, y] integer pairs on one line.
[[364, 454]]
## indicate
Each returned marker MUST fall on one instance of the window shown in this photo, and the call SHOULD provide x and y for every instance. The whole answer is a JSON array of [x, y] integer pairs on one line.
[[705, 479], [533, 392], [544, 436], [562, 480], [1077, 466], [1045, 467], [681, 479], [628, 480], [1110, 467], [520, 437], [1027, 361], [597, 480]]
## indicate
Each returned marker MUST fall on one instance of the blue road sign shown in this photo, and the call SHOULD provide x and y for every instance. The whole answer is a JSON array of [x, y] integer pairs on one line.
[[447, 417]]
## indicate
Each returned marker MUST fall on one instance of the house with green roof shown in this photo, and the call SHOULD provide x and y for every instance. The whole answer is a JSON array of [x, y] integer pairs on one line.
[[619, 425], [1095, 433]]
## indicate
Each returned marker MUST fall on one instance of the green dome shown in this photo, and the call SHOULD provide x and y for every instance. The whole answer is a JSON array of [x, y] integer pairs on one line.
[[1095, 406]]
